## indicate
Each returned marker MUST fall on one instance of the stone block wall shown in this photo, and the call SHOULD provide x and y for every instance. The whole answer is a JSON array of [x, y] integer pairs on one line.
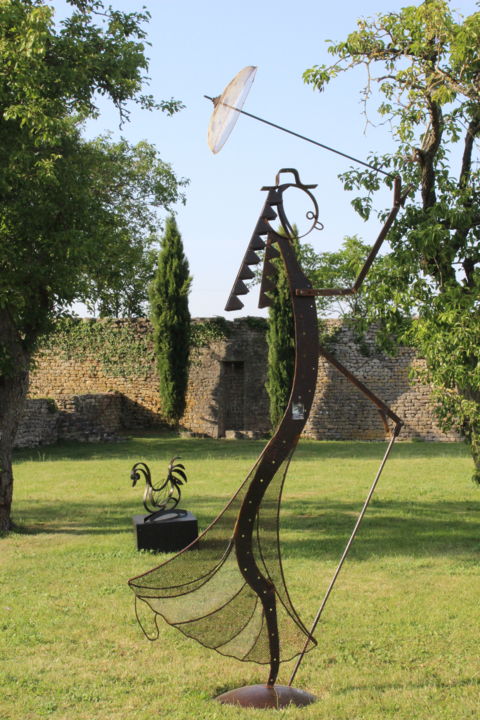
[[85, 418], [341, 412], [61, 376], [226, 389], [39, 425], [89, 418], [226, 393]]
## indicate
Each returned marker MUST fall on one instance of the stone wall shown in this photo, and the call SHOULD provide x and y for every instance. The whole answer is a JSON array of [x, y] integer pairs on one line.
[[85, 418], [89, 418], [226, 388], [226, 393], [61, 376], [341, 412], [39, 425]]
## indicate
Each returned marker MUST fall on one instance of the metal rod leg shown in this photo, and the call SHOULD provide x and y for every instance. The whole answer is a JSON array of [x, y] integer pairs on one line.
[[344, 555]]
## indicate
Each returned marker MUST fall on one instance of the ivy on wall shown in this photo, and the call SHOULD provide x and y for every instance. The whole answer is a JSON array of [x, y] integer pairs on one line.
[[118, 346], [205, 332], [123, 348]]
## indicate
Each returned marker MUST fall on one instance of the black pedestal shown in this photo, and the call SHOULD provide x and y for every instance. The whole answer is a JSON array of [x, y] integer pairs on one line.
[[172, 530]]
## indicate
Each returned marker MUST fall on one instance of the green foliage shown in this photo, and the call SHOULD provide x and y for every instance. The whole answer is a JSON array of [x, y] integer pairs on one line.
[[118, 346], [424, 65], [171, 321], [134, 183], [449, 335], [205, 332], [125, 292], [281, 343], [338, 269], [72, 212], [256, 323], [51, 406], [120, 350]]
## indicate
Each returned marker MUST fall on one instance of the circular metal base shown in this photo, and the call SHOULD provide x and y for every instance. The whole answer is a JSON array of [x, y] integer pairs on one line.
[[263, 696]]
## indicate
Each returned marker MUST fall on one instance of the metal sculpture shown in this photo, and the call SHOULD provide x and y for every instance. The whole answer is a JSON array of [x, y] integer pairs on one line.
[[232, 595], [166, 496], [228, 106]]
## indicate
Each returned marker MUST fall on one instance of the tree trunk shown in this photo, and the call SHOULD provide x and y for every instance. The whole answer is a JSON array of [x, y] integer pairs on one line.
[[13, 391], [471, 431], [475, 449]]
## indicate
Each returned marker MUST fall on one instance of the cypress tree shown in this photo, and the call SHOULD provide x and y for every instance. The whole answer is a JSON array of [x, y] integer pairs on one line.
[[171, 321], [281, 343]]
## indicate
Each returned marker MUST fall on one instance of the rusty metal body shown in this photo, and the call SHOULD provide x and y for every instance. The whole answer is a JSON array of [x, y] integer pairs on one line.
[[283, 443], [288, 432], [231, 596]]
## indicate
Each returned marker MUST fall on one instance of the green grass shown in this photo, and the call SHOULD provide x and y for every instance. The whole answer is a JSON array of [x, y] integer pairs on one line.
[[398, 639]]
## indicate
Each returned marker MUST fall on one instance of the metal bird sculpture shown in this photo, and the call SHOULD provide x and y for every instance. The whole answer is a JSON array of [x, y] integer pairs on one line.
[[165, 496], [231, 595]]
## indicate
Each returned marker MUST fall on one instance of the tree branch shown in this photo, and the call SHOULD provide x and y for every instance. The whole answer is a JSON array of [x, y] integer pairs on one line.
[[425, 156], [472, 131]]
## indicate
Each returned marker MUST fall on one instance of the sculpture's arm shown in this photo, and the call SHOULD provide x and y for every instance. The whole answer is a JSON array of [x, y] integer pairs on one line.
[[398, 201], [386, 413]]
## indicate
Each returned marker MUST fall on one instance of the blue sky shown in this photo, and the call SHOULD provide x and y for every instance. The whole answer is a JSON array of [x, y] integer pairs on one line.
[[196, 48]]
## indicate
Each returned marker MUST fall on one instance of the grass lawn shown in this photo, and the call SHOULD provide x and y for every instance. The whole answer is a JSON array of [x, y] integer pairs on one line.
[[399, 637]]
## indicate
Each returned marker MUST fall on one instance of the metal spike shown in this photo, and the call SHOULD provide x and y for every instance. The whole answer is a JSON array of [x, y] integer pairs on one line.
[[256, 243], [267, 285], [251, 258], [246, 274], [269, 213], [240, 288], [233, 304], [272, 252], [264, 301], [262, 227], [268, 269]]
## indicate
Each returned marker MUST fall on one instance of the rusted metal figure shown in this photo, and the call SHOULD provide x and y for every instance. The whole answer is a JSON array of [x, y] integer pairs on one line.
[[307, 351], [270, 631]]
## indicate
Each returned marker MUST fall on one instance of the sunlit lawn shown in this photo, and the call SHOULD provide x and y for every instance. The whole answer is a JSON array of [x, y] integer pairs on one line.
[[398, 639]]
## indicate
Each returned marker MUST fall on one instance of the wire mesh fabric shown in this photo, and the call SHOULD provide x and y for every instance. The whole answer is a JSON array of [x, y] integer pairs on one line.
[[202, 592]]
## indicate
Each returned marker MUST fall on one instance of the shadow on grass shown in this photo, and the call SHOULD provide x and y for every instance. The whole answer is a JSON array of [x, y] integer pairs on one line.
[[392, 528], [310, 529], [165, 446], [385, 687], [78, 519]]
